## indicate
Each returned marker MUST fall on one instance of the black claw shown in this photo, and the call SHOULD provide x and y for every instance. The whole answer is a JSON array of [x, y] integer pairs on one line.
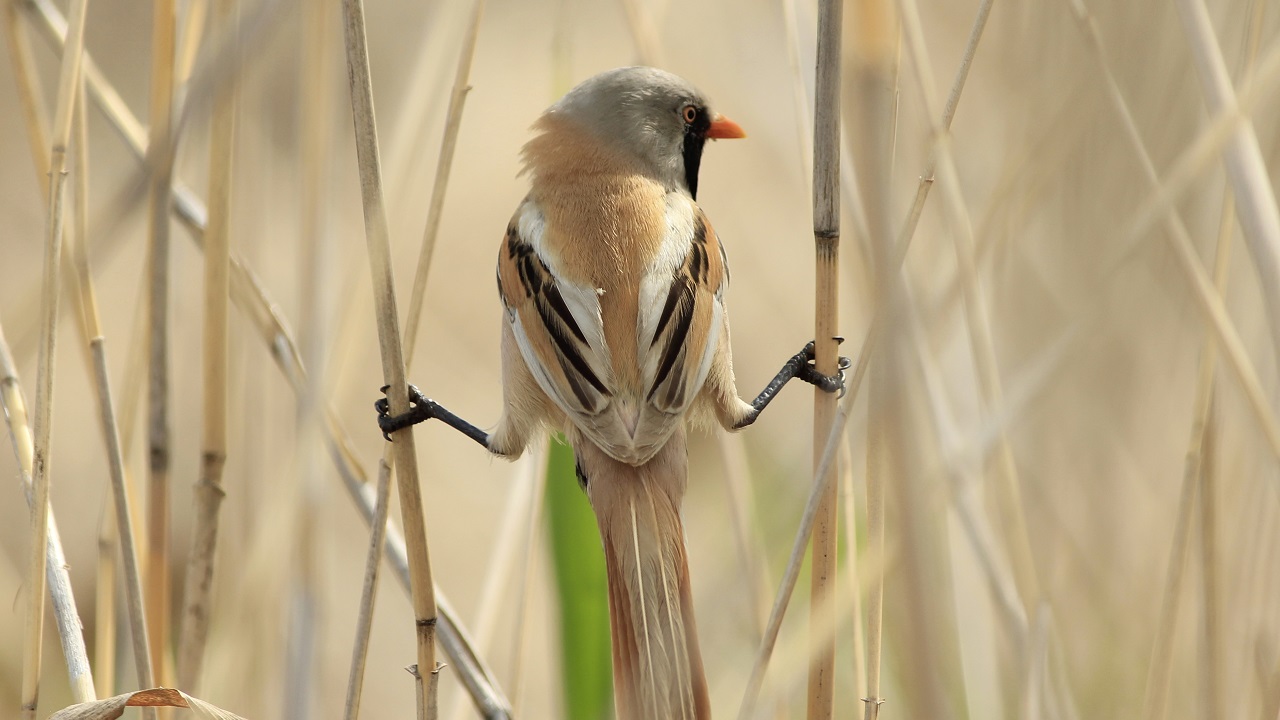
[[420, 409]]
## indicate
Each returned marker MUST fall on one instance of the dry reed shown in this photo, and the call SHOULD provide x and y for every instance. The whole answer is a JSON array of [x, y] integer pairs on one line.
[[826, 235], [393, 366], [82, 681]]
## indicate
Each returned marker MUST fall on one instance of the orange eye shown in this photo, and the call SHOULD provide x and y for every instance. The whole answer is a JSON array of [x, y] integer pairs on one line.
[[690, 114]]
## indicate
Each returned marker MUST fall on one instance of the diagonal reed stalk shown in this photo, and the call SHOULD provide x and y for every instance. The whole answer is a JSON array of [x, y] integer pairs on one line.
[[453, 124], [33, 637], [393, 366], [198, 590], [1250, 182], [826, 236], [65, 613]]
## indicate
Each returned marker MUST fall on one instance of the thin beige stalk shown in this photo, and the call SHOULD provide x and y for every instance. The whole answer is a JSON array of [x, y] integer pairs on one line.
[[643, 34], [453, 124], [40, 469], [532, 552], [108, 537], [263, 313], [30, 92], [1250, 181], [120, 502], [1210, 575], [315, 277], [751, 552], [850, 570], [368, 593], [393, 367], [197, 595], [823, 480], [527, 481], [104, 604], [869, 70], [1160, 670], [1008, 493], [826, 236], [160, 167]]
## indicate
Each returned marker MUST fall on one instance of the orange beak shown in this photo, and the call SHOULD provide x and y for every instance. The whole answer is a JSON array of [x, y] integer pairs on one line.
[[722, 128]]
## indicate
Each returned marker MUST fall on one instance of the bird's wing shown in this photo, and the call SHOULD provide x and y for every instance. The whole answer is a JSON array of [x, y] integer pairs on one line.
[[558, 326], [680, 316], [556, 323]]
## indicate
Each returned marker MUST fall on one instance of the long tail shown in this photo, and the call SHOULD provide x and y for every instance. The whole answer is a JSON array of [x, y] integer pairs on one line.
[[657, 666]]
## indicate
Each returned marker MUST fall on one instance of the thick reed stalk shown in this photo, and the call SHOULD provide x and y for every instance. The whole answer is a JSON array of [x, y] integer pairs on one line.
[[826, 236], [393, 367], [453, 124], [197, 595], [160, 166], [33, 637]]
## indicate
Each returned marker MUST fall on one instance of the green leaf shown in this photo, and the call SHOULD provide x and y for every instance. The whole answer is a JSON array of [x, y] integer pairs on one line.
[[580, 580]]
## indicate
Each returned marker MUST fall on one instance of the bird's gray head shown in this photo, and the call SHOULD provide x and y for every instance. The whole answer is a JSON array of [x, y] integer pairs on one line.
[[659, 118]]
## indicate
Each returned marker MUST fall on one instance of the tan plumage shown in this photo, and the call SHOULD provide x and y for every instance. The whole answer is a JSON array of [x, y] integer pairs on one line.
[[613, 281]]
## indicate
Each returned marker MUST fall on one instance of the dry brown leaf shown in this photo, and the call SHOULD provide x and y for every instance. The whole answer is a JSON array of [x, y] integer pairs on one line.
[[112, 708]]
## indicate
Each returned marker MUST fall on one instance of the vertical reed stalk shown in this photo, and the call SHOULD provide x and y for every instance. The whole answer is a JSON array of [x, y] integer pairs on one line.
[[311, 545], [36, 582], [826, 236], [873, 39], [453, 123], [217, 268], [393, 367], [1210, 573], [159, 163], [30, 92], [108, 537]]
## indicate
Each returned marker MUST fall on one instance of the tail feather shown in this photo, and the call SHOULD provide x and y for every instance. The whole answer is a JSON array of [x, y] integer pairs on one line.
[[657, 664]]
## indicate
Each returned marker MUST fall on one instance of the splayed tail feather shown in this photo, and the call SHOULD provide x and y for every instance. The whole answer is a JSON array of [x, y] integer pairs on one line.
[[657, 664]]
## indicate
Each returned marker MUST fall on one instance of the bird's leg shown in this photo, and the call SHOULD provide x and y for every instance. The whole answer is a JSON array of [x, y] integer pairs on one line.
[[799, 366], [421, 409]]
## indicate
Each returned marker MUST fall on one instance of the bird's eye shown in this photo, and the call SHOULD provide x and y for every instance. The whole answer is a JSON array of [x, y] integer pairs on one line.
[[690, 113]]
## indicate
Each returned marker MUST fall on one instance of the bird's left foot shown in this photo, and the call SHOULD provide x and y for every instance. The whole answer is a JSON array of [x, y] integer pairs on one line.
[[421, 409], [827, 383]]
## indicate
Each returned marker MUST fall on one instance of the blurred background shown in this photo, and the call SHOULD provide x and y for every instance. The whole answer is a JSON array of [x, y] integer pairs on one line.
[[1098, 343]]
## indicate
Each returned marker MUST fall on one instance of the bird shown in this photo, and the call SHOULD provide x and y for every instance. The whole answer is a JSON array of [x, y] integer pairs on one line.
[[612, 282]]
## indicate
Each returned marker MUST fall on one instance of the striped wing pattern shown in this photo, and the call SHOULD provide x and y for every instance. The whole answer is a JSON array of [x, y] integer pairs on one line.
[[559, 329]]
